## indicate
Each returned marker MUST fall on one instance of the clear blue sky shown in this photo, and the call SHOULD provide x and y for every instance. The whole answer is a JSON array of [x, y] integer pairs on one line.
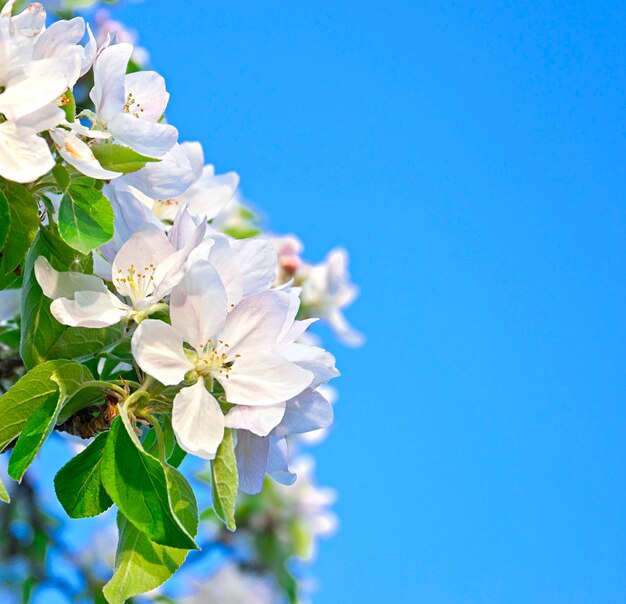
[[471, 156]]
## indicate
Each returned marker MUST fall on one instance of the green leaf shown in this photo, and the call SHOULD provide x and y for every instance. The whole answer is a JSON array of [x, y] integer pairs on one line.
[[85, 218], [225, 481], [119, 158], [43, 337], [140, 564], [68, 103], [68, 376], [136, 481], [5, 219], [25, 397], [78, 484], [4, 494], [22, 227]]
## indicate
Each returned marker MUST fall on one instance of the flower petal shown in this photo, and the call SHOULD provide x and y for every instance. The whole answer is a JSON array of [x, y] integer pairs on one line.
[[252, 452], [263, 378], [198, 305], [149, 94], [89, 309], [158, 350], [198, 421], [258, 420], [210, 193], [24, 156], [306, 412], [109, 72], [57, 284], [148, 138], [278, 462], [317, 360], [257, 261]]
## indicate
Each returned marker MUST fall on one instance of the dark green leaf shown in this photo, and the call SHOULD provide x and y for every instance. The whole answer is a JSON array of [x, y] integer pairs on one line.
[[5, 219], [137, 483], [78, 484], [85, 218], [22, 227], [225, 480], [119, 158]]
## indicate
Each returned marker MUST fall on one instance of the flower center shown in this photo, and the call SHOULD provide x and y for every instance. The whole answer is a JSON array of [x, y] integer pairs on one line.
[[134, 284], [132, 106], [213, 361]]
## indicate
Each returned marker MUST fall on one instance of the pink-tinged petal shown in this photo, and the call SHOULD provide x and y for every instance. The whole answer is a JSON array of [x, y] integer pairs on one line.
[[148, 138], [257, 261], [198, 305], [56, 284], [252, 452], [158, 350], [306, 412], [24, 156], [109, 73], [256, 322], [210, 193], [263, 378], [76, 153], [89, 309], [198, 421], [278, 462], [167, 178], [317, 360], [30, 21], [258, 420], [149, 94]]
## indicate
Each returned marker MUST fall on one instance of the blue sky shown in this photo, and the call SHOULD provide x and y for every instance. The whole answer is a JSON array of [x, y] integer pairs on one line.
[[471, 157]]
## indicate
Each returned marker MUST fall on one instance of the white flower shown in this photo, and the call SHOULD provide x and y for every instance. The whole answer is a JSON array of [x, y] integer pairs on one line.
[[326, 290], [129, 106], [181, 179], [37, 66], [236, 348], [143, 272]]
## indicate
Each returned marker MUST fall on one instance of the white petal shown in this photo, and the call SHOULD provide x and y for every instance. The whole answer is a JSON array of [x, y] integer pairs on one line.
[[79, 155], [148, 138], [149, 94], [167, 178], [343, 330], [317, 360], [30, 21], [256, 322], [58, 38], [259, 378], [109, 73], [24, 156], [56, 284], [158, 350], [44, 118], [39, 83], [89, 309], [222, 258], [278, 462], [198, 305], [210, 193], [258, 420], [306, 412], [252, 452], [198, 421], [257, 261]]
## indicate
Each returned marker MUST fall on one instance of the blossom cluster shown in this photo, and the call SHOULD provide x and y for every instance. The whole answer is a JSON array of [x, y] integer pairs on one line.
[[138, 261]]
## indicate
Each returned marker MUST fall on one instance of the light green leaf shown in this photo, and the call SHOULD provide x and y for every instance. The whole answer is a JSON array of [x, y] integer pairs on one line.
[[22, 227], [140, 564], [43, 337], [136, 482], [85, 218], [68, 377], [78, 484], [119, 158], [4, 494], [225, 481], [25, 397]]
